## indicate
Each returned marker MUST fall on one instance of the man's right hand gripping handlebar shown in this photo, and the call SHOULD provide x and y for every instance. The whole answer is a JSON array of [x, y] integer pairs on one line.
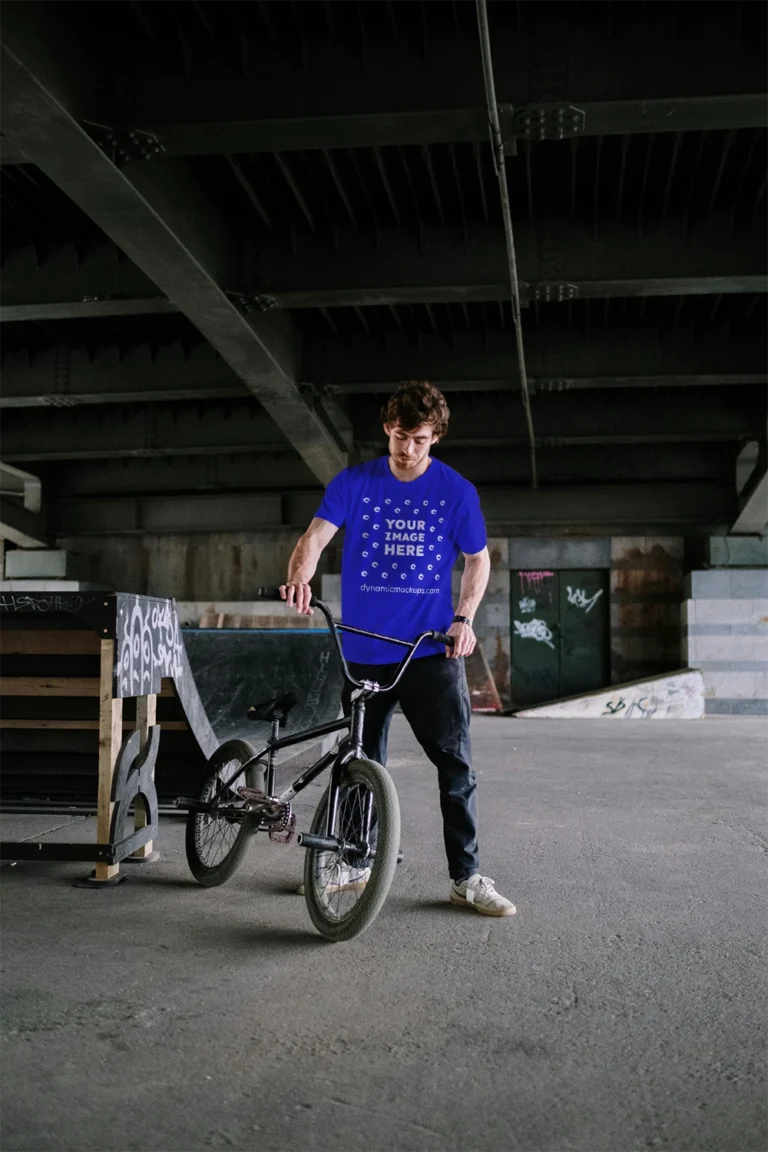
[[298, 596]]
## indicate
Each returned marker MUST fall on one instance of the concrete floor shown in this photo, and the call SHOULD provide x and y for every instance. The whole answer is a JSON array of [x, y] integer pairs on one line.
[[622, 1008]]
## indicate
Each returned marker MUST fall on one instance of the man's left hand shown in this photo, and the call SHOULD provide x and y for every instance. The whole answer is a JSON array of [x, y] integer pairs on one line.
[[464, 640]]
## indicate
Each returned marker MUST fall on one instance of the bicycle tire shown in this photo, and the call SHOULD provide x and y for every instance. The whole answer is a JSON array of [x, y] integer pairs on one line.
[[367, 907], [200, 832]]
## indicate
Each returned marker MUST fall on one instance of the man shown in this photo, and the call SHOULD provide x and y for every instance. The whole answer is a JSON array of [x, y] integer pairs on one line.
[[407, 516]]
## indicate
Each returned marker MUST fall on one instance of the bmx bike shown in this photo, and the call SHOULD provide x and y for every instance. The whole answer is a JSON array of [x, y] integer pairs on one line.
[[353, 842]]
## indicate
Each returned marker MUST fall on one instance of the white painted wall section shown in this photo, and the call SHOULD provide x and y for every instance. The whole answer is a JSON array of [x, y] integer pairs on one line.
[[674, 696]]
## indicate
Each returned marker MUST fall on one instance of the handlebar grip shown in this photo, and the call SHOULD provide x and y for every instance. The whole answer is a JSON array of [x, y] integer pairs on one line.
[[274, 594], [268, 594], [441, 638]]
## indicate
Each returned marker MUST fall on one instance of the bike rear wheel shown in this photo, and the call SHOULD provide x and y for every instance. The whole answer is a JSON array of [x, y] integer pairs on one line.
[[215, 844], [345, 891]]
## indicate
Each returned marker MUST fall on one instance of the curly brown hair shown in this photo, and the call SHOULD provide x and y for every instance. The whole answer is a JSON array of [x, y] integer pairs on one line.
[[417, 402]]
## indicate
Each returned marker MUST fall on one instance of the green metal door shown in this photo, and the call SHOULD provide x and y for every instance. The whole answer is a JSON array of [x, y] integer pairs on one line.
[[560, 634]]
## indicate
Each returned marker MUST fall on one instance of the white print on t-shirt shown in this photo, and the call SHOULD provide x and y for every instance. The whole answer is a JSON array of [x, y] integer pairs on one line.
[[404, 538], [402, 533]]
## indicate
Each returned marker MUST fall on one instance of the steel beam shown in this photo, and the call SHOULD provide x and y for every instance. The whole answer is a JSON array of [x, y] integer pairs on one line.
[[440, 268], [447, 125], [24, 528], [731, 414], [158, 217], [752, 518], [565, 383], [557, 358], [556, 261], [285, 471], [102, 274], [159, 430], [664, 508], [9, 153], [87, 309], [267, 470], [199, 102], [65, 377]]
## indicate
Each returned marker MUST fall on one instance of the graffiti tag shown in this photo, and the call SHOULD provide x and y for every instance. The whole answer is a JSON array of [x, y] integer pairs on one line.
[[534, 630], [527, 605], [578, 597], [534, 581], [643, 707]]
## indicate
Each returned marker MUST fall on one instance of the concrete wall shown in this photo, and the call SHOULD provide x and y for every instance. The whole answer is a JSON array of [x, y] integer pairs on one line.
[[492, 619], [216, 566], [224, 568], [725, 625], [646, 591]]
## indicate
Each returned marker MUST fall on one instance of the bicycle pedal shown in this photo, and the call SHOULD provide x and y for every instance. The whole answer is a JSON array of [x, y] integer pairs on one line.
[[252, 794], [284, 835]]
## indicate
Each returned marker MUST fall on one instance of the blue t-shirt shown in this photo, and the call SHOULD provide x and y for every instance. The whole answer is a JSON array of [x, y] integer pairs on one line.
[[402, 539]]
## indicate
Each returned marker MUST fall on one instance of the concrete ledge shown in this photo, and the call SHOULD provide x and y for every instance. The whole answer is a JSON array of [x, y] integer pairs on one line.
[[736, 707], [727, 584], [672, 696]]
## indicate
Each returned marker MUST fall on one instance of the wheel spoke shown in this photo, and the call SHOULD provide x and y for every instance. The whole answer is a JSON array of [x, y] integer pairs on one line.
[[331, 869], [215, 835]]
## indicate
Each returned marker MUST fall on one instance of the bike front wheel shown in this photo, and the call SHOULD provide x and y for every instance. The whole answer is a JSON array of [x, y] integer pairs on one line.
[[215, 842], [345, 890]]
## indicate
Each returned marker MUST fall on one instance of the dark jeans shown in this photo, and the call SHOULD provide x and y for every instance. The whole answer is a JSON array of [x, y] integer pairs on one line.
[[434, 697]]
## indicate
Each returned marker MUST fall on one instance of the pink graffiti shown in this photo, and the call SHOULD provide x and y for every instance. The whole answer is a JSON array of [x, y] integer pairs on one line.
[[534, 581]]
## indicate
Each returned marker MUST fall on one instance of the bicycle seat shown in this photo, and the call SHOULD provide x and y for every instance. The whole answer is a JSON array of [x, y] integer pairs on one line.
[[276, 707]]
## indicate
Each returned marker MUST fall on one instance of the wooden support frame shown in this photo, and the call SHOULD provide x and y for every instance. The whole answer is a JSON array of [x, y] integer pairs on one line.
[[110, 739], [146, 718], [141, 656]]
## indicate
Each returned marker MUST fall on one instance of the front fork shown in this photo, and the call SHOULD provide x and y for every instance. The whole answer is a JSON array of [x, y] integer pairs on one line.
[[356, 739]]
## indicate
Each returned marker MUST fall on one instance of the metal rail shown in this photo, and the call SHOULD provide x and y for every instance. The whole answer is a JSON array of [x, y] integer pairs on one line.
[[497, 147]]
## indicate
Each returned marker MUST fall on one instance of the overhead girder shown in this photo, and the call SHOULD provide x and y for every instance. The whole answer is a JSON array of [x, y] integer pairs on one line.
[[557, 358], [160, 430], [622, 417], [672, 509], [284, 471], [254, 94], [64, 376], [752, 518], [159, 218], [556, 261]]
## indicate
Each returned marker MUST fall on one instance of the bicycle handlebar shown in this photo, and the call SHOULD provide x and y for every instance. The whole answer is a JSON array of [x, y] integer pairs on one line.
[[273, 594]]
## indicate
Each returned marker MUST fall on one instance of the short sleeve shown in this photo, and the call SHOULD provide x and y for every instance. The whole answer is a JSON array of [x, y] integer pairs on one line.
[[334, 504], [470, 536]]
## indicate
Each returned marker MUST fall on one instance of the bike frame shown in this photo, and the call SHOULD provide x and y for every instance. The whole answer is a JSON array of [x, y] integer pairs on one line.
[[351, 748]]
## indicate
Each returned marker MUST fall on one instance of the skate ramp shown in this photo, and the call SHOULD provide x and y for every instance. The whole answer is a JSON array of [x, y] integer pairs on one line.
[[672, 696]]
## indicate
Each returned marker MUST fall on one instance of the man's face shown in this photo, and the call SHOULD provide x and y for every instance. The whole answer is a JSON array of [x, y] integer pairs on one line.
[[409, 448]]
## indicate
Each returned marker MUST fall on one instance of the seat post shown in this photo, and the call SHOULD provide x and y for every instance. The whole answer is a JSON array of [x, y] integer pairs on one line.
[[272, 754]]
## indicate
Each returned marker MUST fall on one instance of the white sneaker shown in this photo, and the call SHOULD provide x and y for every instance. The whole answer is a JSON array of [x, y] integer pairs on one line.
[[344, 878], [479, 893]]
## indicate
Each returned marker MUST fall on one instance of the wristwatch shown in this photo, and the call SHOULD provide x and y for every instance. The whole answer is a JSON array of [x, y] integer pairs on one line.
[[462, 620]]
